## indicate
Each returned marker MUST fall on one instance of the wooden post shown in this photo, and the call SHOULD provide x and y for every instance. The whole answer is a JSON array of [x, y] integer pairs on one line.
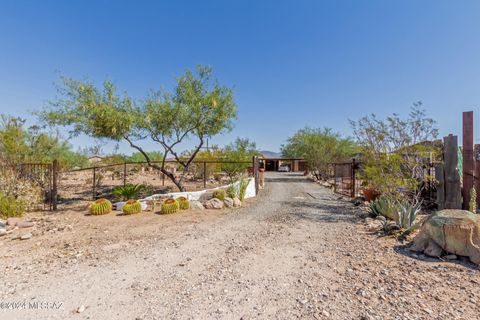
[[476, 178], [53, 192], [205, 174], [255, 174], [453, 194], [94, 184], [467, 157]]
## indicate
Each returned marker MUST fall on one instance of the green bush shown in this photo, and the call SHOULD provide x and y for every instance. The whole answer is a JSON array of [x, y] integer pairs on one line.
[[129, 191], [220, 194], [11, 207], [385, 206], [232, 191]]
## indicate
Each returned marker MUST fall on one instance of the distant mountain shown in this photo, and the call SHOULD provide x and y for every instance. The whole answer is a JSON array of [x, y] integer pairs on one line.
[[271, 154]]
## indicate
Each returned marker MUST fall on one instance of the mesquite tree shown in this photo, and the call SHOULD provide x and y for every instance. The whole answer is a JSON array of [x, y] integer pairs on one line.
[[196, 109]]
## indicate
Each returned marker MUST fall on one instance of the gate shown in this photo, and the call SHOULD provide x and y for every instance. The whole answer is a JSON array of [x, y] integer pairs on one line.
[[345, 181]]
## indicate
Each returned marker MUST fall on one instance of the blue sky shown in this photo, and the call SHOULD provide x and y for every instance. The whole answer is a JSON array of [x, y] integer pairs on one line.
[[291, 63]]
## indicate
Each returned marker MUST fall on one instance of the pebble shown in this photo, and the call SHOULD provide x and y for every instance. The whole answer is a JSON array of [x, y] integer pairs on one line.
[[26, 236], [3, 232], [81, 309]]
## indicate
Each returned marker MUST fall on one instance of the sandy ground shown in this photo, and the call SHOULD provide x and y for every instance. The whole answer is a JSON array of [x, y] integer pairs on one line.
[[296, 252]]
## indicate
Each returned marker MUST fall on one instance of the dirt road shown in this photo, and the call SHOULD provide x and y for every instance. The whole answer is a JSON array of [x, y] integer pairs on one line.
[[297, 252]]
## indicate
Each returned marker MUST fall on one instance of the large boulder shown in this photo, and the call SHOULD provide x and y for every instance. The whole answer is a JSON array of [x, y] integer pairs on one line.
[[454, 231], [214, 203], [237, 202]]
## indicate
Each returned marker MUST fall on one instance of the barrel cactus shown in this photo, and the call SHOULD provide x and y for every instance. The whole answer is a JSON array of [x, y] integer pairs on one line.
[[100, 206], [132, 207], [183, 203], [220, 194], [170, 206]]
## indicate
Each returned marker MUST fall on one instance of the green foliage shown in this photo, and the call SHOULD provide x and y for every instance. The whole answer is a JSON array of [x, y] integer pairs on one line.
[[11, 206], [132, 207], [242, 189], [396, 151], [129, 191], [320, 148], [138, 157], [473, 200], [170, 206], [196, 109], [184, 203], [100, 206], [220, 194], [26, 192], [241, 150], [21, 145]]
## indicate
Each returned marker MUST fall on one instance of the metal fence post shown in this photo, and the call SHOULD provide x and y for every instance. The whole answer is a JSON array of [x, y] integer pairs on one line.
[[53, 192], [353, 179], [255, 173]]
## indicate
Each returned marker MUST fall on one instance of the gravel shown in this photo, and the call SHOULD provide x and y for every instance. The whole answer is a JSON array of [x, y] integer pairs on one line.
[[287, 255]]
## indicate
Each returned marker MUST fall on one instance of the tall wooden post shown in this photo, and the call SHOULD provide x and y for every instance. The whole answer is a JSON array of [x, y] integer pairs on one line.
[[94, 183], [476, 178], [205, 174], [353, 179], [440, 178], [468, 163], [124, 174], [255, 174], [53, 193], [453, 192]]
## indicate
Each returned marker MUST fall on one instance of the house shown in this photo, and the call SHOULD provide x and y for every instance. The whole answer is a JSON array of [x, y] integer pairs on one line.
[[271, 161]]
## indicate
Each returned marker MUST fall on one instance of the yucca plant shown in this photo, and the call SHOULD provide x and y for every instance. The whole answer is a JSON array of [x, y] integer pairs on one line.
[[132, 207], [242, 188], [128, 191], [183, 203], [100, 206], [231, 191]]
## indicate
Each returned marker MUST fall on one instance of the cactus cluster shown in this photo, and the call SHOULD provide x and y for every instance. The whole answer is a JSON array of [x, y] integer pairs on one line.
[[132, 207], [220, 194], [183, 203], [170, 206], [100, 206], [473, 200]]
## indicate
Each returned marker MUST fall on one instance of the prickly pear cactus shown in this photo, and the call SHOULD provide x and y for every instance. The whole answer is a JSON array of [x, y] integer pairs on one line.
[[100, 206], [170, 206], [220, 194], [183, 203], [132, 207]]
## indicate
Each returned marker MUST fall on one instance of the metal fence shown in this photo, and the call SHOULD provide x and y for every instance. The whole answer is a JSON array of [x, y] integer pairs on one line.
[[100, 181], [346, 180]]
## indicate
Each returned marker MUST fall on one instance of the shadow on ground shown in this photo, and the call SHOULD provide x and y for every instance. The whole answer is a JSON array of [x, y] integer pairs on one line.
[[321, 212]]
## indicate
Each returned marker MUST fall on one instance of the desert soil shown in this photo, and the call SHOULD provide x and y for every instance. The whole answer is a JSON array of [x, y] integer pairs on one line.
[[295, 252]]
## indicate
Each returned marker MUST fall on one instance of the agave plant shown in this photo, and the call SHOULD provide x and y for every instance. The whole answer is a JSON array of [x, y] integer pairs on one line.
[[129, 191], [385, 206], [407, 213]]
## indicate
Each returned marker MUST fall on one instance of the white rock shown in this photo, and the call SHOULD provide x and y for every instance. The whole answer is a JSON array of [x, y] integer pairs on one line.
[[228, 202], [3, 232], [196, 205], [237, 202], [26, 236], [81, 309]]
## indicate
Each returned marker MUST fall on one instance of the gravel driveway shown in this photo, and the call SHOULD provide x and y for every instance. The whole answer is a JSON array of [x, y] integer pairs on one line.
[[297, 252]]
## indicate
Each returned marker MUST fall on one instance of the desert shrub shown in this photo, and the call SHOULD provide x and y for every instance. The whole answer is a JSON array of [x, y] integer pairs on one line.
[[129, 191], [385, 206], [11, 206], [220, 194], [25, 192], [407, 213], [242, 189]]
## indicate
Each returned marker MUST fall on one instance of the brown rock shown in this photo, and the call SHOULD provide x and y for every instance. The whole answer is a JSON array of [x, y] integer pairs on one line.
[[24, 224], [13, 221]]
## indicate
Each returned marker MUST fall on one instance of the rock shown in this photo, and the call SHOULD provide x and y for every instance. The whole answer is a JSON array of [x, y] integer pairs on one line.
[[24, 224], [237, 202], [214, 203], [26, 236], [3, 225], [391, 226], [358, 201], [228, 202], [196, 205], [451, 257], [326, 313], [13, 221], [81, 309], [455, 231], [3, 232], [206, 196]]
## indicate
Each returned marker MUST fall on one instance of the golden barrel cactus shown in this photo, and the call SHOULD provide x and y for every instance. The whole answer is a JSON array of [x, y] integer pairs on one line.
[[170, 206], [184, 203], [100, 206], [132, 207]]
